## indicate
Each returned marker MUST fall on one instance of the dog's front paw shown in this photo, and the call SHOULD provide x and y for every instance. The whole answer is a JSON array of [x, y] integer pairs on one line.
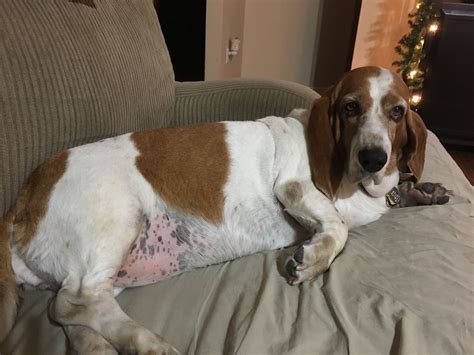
[[422, 194], [310, 259]]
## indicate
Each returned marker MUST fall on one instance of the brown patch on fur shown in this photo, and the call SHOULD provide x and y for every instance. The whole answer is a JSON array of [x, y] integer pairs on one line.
[[324, 253], [187, 167], [356, 84], [389, 101], [398, 140], [349, 130], [399, 87], [328, 243], [329, 248], [326, 155], [413, 159], [293, 191], [396, 152], [408, 147], [9, 298], [330, 132], [330, 135], [355, 78], [32, 203], [317, 255], [21, 223], [397, 132]]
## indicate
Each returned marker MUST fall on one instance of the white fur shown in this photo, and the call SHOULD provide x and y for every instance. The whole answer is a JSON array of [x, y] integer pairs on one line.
[[92, 214], [379, 87], [102, 186], [365, 205], [311, 208], [372, 133], [96, 207], [251, 208]]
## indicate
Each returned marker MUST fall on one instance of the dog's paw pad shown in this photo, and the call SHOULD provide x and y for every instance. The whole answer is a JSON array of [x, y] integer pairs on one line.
[[427, 187], [299, 254], [423, 194], [439, 194], [290, 267], [441, 200]]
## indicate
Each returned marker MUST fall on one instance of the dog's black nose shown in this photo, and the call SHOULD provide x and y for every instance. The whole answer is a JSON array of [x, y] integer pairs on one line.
[[372, 160]]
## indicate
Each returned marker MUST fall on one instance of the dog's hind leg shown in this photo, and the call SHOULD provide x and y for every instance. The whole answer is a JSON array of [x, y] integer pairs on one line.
[[84, 340], [86, 297], [96, 308]]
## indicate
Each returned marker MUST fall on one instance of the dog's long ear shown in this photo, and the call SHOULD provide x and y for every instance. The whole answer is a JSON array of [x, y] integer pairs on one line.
[[413, 160], [326, 155]]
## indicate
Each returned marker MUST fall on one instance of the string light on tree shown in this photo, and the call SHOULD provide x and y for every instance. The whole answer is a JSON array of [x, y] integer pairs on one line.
[[433, 27], [423, 21], [415, 99]]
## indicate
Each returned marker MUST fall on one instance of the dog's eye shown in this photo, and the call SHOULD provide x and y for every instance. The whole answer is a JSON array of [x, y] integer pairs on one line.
[[352, 108], [397, 113]]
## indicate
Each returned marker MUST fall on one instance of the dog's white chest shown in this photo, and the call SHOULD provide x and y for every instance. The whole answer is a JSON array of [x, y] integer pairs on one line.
[[360, 209]]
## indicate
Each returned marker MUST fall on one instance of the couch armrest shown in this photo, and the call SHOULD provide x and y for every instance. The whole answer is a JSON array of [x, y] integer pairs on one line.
[[237, 100]]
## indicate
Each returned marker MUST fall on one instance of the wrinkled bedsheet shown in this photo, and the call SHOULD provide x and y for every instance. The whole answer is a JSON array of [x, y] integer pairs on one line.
[[403, 285]]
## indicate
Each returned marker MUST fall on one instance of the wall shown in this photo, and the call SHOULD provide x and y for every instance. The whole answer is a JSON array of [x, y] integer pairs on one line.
[[224, 20], [381, 25], [278, 38], [214, 28]]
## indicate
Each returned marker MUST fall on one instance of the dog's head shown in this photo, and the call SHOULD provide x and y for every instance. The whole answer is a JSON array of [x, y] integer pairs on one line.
[[362, 128]]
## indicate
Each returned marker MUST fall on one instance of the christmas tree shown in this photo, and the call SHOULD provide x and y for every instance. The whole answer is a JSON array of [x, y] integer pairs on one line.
[[410, 47]]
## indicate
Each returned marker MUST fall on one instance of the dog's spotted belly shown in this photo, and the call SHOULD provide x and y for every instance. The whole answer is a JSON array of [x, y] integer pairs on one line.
[[159, 252], [170, 243]]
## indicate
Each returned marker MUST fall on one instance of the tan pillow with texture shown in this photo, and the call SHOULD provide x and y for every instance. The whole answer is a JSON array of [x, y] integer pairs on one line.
[[75, 71]]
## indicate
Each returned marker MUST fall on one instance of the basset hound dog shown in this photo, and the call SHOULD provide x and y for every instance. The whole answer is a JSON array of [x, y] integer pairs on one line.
[[141, 207]]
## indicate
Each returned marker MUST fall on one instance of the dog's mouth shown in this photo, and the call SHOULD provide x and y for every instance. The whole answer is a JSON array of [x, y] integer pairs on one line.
[[368, 164], [374, 184], [359, 175], [369, 156], [377, 178], [371, 185]]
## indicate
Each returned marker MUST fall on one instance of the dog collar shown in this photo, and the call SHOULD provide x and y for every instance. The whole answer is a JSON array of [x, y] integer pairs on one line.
[[392, 198]]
